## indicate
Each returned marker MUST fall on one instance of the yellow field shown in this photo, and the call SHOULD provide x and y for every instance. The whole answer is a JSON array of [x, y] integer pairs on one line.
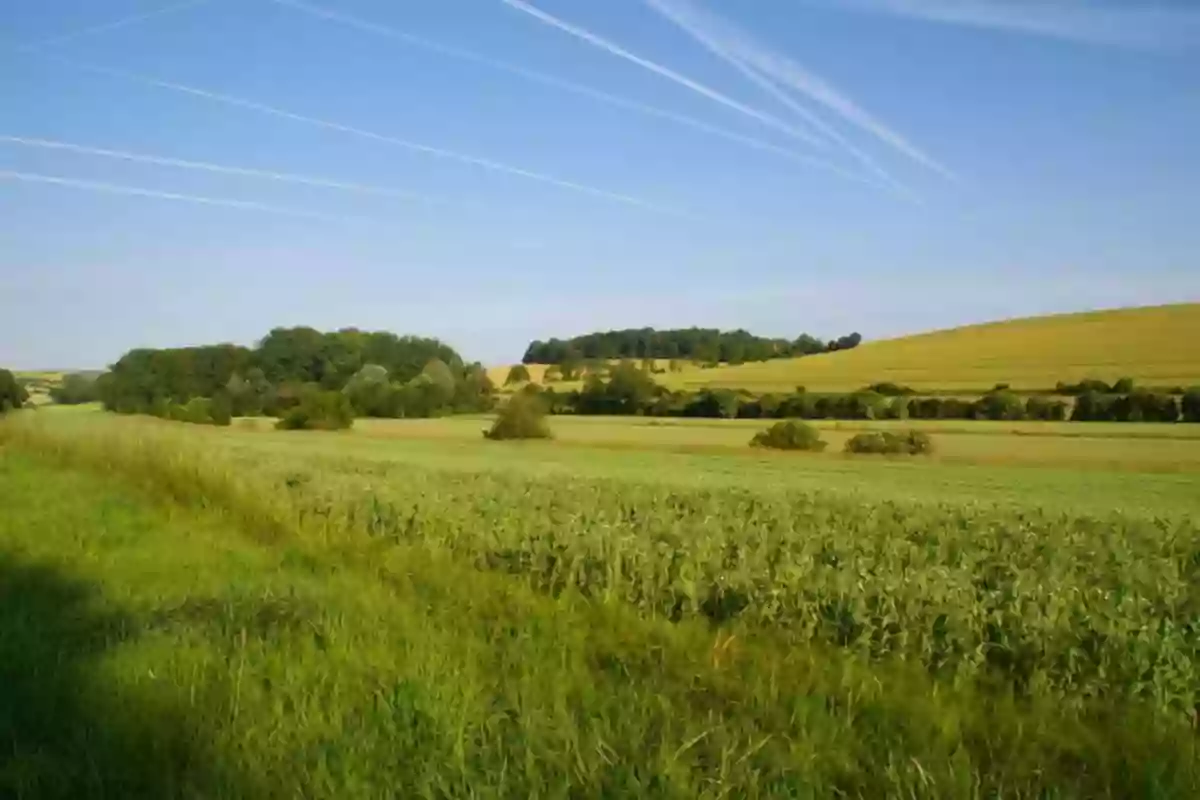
[[1156, 346]]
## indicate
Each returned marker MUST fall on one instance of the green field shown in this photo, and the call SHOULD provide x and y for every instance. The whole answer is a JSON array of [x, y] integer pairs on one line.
[[1156, 346], [406, 609]]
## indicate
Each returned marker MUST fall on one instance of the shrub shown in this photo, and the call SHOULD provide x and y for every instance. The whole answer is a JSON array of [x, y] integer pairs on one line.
[[319, 410], [522, 417], [911, 442], [789, 435], [1123, 386]]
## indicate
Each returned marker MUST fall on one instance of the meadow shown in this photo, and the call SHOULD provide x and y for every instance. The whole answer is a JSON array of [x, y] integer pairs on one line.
[[407, 608]]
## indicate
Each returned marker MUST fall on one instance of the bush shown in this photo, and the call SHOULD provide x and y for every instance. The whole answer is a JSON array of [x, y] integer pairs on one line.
[[916, 443], [319, 411], [522, 417], [789, 435]]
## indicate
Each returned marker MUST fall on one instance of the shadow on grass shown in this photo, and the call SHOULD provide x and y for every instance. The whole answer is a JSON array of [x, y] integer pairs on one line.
[[67, 732]]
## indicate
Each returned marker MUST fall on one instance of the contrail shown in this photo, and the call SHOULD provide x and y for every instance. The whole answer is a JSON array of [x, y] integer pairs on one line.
[[562, 83], [721, 35], [1149, 27], [108, 26], [218, 168], [659, 69], [113, 188], [263, 108], [686, 21]]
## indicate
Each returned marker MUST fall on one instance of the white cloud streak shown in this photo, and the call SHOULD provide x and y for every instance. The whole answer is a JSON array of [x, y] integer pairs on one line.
[[686, 20], [567, 85], [666, 72], [734, 45], [362, 133], [113, 188], [164, 161], [1103, 23], [132, 19]]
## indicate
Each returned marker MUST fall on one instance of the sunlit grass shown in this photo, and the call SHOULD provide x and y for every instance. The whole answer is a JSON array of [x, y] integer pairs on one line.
[[176, 622]]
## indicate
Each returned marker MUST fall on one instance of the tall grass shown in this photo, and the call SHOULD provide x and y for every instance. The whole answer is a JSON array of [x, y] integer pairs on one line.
[[328, 632]]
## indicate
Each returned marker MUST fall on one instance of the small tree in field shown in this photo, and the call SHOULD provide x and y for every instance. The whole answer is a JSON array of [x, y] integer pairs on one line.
[[522, 417], [518, 374], [789, 435]]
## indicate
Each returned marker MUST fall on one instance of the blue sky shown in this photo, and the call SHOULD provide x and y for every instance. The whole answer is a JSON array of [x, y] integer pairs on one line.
[[886, 166]]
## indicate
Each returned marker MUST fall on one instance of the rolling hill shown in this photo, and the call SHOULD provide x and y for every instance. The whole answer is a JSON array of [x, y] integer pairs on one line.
[[1155, 345]]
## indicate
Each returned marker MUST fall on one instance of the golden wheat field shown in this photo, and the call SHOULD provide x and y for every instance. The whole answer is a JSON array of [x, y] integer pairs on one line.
[[1157, 346]]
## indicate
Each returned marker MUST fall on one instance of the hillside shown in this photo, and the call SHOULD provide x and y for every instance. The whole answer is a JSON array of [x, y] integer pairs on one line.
[[1157, 346]]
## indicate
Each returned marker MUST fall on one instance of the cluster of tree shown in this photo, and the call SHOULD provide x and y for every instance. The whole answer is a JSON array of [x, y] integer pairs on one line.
[[1120, 386], [1138, 406], [912, 443], [632, 391], [75, 390], [12, 393], [706, 345], [380, 373]]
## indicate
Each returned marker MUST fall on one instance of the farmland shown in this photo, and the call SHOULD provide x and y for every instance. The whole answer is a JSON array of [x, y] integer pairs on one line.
[[678, 616], [1156, 346]]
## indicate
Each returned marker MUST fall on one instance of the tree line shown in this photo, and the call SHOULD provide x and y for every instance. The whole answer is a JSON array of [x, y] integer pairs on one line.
[[629, 390], [379, 373], [706, 345]]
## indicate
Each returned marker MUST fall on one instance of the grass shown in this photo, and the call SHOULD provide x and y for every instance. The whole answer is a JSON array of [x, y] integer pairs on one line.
[[165, 633], [203, 612], [1157, 346]]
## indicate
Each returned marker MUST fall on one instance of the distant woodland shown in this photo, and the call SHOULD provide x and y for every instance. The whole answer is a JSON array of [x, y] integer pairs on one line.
[[706, 345]]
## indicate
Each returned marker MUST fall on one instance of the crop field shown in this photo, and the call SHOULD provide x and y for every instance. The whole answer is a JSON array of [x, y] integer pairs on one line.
[[1156, 346], [408, 608]]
